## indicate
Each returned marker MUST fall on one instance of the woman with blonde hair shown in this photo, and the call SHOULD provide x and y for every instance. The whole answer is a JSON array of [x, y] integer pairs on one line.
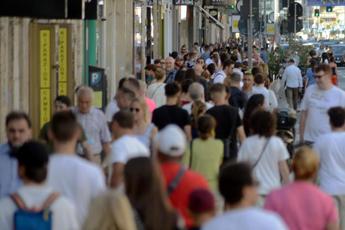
[[111, 211], [301, 203], [144, 130]]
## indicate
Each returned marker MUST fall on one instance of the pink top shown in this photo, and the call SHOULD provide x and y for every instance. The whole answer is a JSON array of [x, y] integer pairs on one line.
[[151, 104], [303, 206]]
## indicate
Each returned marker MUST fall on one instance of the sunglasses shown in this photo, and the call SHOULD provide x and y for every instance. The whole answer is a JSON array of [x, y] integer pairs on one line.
[[318, 76], [137, 110]]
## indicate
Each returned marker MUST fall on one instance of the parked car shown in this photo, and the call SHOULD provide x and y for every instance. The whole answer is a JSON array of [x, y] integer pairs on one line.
[[339, 53]]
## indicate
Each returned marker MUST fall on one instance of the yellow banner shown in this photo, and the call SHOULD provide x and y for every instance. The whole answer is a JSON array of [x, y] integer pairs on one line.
[[62, 89], [63, 54], [45, 106], [45, 59]]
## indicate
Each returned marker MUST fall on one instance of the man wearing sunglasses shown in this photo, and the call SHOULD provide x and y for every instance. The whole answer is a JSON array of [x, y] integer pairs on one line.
[[318, 99]]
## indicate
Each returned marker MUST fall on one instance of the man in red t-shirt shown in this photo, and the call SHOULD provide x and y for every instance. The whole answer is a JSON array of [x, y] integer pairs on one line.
[[179, 181]]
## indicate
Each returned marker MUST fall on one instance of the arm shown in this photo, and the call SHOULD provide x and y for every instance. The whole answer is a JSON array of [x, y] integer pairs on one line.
[[284, 171], [117, 175], [188, 132], [87, 150], [241, 134], [106, 149], [304, 115]]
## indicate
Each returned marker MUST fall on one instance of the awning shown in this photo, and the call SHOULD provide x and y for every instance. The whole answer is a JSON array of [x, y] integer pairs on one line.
[[208, 15]]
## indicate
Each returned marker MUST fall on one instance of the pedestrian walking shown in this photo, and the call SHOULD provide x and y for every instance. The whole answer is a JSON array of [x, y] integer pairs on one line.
[[35, 203], [330, 147], [255, 102], [179, 181], [317, 100], [18, 131], [229, 123], [238, 188], [77, 179], [266, 153], [125, 146], [94, 123], [293, 82], [294, 201], [156, 89], [143, 186]]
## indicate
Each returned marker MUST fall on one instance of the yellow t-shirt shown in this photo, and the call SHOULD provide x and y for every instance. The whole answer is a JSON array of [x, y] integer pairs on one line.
[[206, 158]]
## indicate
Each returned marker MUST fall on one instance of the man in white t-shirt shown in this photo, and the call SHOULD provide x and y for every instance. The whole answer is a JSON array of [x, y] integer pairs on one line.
[[331, 148], [32, 167], [125, 146], [317, 100], [72, 176], [238, 188], [196, 93], [220, 76], [259, 88]]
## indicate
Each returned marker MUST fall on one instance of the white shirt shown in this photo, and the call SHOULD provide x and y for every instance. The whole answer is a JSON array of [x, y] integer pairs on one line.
[[292, 77], [219, 77], [64, 213], [156, 91], [331, 149], [317, 102], [272, 101], [267, 169], [77, 179], [246, 219], [264, 91], [111, 109], [188, 107], [126, 148]]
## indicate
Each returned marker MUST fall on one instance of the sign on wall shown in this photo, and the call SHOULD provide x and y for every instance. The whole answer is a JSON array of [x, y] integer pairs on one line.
[[63, 68], [183, 2], [326, 2], [45, 72]]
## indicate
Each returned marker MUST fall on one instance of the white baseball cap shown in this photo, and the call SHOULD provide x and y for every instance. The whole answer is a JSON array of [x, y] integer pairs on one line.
[[171, 141]]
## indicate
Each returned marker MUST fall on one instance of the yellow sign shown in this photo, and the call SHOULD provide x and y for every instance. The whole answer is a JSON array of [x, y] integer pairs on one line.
[[270, 28], [45, 59], [45, 106], [63, 54], [97, 99], [62, 89]]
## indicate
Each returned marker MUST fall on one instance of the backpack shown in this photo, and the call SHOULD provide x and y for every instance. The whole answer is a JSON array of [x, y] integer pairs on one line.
[[33, 218]]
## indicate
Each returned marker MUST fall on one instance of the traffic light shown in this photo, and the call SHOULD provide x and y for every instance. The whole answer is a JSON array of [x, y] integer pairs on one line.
[[329, 9], [295, 12], [232, 6], [317, 12]]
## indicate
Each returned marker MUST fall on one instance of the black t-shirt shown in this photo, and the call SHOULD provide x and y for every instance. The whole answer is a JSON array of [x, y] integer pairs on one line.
[[170, 114], [237, 98], [228, 120]]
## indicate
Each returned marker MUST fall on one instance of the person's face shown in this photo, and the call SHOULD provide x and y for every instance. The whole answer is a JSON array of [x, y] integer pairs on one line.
[[248, 81], [59, 106], [179, 63], [169, 64], [122, 101], [201, 62], [84, 103], [322, 79], [18, 132], [137, 111], [183, 50]]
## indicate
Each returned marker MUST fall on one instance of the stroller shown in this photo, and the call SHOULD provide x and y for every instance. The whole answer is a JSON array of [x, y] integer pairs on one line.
[[286, 120]]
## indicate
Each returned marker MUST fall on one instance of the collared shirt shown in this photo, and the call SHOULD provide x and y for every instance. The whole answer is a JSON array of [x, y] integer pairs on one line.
[[9, 179], [292, 77], [170, 76], [95, 127]]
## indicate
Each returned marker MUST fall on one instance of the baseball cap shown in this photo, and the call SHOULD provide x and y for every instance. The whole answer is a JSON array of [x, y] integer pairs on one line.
[[171, 141]]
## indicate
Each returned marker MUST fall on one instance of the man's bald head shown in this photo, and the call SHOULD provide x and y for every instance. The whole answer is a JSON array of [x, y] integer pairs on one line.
[[84, 96], [169, 64]]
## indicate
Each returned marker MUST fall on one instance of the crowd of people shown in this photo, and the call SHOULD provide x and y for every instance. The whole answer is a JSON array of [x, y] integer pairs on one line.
[[192, 147]]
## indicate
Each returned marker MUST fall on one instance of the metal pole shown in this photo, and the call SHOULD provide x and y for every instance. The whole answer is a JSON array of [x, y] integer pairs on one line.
[[265, 24], [295, 19], [250, 35]]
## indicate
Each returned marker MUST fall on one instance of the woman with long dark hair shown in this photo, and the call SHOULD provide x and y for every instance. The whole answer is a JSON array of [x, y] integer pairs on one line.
[[147, 196], [255, 102]]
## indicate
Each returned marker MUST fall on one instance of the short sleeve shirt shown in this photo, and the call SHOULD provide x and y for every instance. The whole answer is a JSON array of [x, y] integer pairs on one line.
[[170, 114], [317, 102], [95, 127]]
